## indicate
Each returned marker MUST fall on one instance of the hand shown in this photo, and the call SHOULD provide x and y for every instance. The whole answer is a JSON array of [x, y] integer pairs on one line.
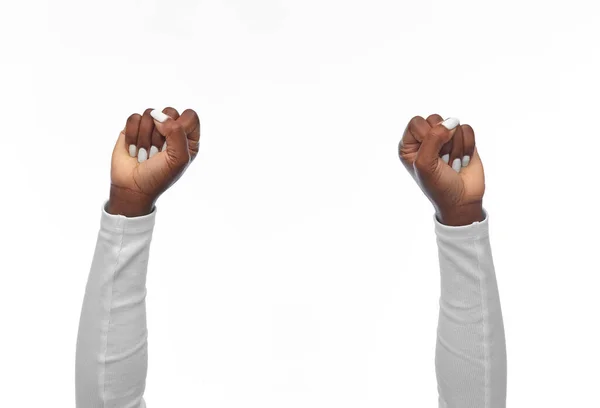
[[144, 164], [454, 182]]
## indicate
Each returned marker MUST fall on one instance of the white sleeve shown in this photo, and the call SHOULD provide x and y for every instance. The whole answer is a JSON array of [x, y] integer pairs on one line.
[[470, 358], [112, 348]]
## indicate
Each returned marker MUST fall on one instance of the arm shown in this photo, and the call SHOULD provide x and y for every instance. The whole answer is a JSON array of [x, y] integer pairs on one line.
[[442, 157], [470, 355], [112, 348]]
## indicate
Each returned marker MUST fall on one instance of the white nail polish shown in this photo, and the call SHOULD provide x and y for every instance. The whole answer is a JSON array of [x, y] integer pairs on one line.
[[164, 147], [456, 164], [451, 123], [446, 158], [153, 151], [142, 155], [465, 161], [159, 116], [132, 150]]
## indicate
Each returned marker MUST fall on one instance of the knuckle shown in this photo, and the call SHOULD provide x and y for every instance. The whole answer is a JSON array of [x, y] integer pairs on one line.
[[468, 132], [191, 112], [169, 110], [434, 117], [468, 137], [133, 118], [192, 115], [414, 120]]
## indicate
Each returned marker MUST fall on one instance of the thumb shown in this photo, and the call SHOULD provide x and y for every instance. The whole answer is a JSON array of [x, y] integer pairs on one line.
[[429, 151], [174, 133]]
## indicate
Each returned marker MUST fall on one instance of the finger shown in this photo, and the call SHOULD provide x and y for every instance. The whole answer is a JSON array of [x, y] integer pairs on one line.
[[145, 135], [415, 131], [131, 133], [428, 156], [176, 138], [158, 140], [468, 144], [445, 150], [456, 154], [191, 125], [433, 121]]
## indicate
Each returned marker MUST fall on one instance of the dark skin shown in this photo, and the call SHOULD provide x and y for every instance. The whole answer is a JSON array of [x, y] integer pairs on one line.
[[456, 197], [135, 187]]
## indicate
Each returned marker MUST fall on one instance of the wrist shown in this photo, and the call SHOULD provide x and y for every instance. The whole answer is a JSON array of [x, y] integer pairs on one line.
[[129, 203], [462, 215]]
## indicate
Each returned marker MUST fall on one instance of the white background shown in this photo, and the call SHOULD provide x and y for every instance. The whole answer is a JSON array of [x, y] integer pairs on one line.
[[294, 264]]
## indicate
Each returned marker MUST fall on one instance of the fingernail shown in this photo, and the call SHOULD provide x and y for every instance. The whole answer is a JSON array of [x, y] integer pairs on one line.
[[142, 155], [159, 116], [164, 147], [446, 158], [466, 160], [451, 123], [153, 150], [456, 164], [132, 150]]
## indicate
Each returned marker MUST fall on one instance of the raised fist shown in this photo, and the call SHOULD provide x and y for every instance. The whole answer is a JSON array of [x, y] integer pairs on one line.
[[443, 159], [150, 155]]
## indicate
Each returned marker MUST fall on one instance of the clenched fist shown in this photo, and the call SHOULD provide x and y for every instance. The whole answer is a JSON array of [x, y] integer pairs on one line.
[[442, 158], [152, 152]]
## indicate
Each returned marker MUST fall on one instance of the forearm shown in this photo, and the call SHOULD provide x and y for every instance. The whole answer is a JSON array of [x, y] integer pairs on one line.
[[111, 357], [471, 350]]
